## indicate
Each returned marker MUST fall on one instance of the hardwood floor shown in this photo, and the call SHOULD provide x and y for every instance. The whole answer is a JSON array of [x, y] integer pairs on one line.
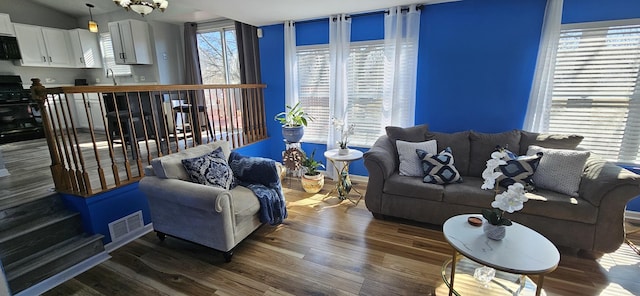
[[326, 248], [323, 248]]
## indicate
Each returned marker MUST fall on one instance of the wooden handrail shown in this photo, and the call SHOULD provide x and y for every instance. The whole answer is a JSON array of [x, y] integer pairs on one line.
[[98, 148]]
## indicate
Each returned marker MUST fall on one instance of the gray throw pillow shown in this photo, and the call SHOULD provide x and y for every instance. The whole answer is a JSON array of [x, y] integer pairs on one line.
[[210, 169], [410, 164], [559, 170]]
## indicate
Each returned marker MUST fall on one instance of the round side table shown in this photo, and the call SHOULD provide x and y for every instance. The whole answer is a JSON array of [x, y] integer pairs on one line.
[[343, 186], [523, 250]]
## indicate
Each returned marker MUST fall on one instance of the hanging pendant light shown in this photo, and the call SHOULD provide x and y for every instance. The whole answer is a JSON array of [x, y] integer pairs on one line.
[[93, 26], [143, 7]]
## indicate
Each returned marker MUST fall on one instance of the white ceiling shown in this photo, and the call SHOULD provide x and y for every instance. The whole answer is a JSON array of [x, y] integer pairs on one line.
[[254, 12]]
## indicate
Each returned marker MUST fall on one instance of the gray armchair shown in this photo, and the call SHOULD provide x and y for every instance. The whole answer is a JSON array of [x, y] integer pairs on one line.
[[210, 216]]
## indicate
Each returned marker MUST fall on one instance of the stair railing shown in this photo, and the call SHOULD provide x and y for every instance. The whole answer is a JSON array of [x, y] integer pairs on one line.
[[103, 137]]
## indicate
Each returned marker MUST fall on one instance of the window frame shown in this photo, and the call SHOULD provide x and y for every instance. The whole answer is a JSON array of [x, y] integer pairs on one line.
[[109, 58], [630, 124], [222, 27], [327, 123]]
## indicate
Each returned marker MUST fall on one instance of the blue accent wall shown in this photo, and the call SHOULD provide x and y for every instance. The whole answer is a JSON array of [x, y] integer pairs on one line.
[[475, 64], [476, 59], [101, 209]]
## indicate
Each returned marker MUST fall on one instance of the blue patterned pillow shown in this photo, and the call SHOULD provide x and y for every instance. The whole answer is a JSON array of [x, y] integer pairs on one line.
[[519, 169], [210, 169], [439, 168]]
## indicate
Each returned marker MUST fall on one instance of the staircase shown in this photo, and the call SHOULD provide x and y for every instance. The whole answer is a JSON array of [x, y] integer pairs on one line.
[[40, 239]]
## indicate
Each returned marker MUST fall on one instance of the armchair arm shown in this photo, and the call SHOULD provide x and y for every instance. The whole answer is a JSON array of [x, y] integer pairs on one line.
[[194, 212], [188, 194], [601, 177], [381, 163]]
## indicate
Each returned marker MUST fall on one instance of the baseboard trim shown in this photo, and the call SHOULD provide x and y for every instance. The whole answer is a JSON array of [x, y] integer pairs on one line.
[[4, 173], [359, 179], [632, 216], [129, 237], [65, 275]]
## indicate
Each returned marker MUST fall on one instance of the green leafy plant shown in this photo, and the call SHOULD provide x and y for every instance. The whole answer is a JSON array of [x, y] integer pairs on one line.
[[293, 116], [311, 165], [495, 217]]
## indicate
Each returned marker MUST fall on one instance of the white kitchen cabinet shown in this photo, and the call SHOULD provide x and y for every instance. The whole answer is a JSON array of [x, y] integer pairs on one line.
[[43, 47], [131, 42], [6, 28], [86, 49], [90, 102]]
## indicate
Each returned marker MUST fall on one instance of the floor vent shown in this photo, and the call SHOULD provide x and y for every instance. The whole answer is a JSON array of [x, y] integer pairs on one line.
[[124, 225]]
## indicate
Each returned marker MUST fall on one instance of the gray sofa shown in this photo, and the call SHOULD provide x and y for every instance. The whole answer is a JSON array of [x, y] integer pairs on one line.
[[210, 216], [593, 221]]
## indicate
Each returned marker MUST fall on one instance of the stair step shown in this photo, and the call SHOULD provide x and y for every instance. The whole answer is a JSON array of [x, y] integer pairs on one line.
[[17, 215], [38, 234], [34, 268]]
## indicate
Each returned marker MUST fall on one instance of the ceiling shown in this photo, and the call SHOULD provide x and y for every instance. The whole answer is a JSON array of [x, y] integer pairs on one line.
[[254, 12]]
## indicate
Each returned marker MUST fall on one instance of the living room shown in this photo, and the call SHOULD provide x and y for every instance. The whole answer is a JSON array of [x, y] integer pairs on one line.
[[476, 63]]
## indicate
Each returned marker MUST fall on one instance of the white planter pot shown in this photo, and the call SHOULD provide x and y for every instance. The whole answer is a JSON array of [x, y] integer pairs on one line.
[[312, 184], [494, 232]]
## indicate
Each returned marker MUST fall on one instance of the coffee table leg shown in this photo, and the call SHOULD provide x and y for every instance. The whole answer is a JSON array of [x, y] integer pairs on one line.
[[539, 286], [453, 270]]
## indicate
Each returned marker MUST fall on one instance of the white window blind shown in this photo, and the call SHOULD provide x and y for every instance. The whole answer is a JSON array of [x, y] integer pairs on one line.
[[313, 90], [365, 81], [109, 59], [595, 91]]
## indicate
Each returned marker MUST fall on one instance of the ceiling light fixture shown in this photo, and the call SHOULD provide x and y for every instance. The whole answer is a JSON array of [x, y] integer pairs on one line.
[[142, 7], [93, 26]]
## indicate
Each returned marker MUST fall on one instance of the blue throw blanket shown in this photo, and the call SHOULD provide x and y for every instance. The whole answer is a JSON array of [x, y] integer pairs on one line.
[[260, 175]]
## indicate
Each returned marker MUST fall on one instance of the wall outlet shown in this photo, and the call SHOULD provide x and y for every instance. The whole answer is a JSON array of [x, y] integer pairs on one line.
[[49, 80], [97, 80], [164, 56], [142, 78], [135, 78]]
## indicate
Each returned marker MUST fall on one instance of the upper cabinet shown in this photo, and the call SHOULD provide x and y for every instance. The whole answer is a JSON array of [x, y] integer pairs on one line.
[[41, 46], [6, 28], [86, 49], [131, 42]]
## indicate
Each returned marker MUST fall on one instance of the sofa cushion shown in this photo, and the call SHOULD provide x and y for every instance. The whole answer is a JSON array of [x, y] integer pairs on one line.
[[410, 163], [543, 202], [559, 170], [482, 145], [519, 170], [210, 169], [170, 166], [409, 134], [439, 168], [459, 143], [412, 187], [548, 141], [560, 206]]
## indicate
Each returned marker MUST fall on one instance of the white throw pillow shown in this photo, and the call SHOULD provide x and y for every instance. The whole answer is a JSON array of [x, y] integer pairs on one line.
[[559, 170], [410, 164]]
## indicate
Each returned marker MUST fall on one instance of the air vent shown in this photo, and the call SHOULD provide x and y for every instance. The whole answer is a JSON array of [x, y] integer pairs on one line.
[[121, 227]]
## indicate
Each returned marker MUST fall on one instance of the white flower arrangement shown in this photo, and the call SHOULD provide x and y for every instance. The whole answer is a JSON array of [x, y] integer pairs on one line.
[[509, 201], [344, 130]]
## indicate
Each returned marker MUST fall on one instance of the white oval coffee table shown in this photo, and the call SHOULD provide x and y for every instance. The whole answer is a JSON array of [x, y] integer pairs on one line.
[[523, 251]]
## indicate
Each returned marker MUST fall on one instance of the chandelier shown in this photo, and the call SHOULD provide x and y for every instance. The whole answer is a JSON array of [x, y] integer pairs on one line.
[[143, 7]]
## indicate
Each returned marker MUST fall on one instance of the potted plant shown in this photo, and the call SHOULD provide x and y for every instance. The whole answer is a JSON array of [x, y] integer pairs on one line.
[[293, 121], [312, 179]]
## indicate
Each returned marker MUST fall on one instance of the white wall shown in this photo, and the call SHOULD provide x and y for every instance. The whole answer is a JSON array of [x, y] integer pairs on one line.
[[167, 36], [26, 12]]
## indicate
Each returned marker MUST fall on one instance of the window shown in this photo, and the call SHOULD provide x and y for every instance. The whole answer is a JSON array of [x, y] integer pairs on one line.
[[109, 58], [595, 91], [365, 82], [218, 53]]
